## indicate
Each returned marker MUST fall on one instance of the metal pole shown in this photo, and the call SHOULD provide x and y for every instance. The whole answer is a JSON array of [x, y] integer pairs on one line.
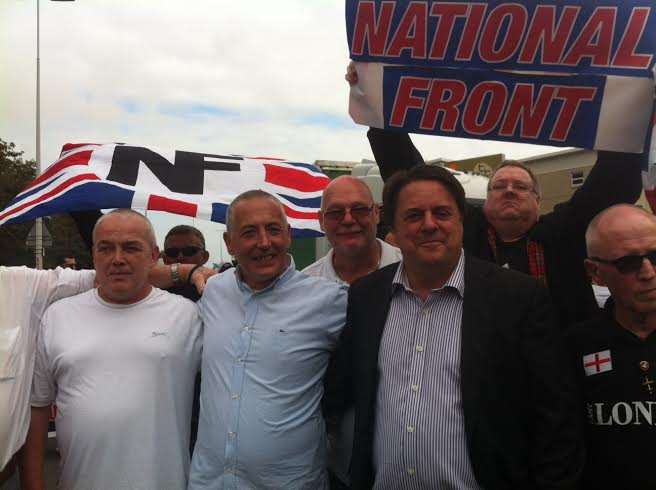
[[38, 242]]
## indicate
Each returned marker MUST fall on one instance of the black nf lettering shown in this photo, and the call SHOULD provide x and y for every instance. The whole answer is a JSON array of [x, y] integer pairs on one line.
[[185, 175]]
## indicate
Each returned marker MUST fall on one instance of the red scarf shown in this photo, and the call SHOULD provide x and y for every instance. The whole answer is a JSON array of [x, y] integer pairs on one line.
[[534, 251]]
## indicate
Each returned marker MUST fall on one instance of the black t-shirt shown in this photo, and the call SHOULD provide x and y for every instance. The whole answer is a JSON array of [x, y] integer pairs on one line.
[[513, 255], [615, 370]]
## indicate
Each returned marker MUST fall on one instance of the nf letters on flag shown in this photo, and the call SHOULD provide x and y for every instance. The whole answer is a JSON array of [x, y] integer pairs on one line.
[[597, 362], [200, 185]]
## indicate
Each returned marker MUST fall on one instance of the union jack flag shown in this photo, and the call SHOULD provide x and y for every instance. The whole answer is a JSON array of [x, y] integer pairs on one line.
[[200, 185]]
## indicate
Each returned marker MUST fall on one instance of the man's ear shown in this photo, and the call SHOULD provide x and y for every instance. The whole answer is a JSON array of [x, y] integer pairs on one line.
[[592, 268], [206, 256], [226, 239], [376, 213], [156, 254], [321, 221]]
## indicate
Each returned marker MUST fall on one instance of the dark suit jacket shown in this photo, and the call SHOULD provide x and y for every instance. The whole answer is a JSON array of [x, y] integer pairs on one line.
[[520, 407]]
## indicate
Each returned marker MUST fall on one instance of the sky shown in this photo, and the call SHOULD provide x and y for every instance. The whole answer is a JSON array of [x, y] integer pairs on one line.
[[254, 78]]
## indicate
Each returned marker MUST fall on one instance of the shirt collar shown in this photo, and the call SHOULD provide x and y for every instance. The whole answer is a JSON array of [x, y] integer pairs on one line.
[[455, 281], [278, 281]]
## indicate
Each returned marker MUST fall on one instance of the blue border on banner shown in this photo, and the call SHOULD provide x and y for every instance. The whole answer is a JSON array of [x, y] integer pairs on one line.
[[600, 37]]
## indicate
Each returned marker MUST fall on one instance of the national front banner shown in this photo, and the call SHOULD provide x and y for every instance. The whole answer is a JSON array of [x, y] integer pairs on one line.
[[571, 73]]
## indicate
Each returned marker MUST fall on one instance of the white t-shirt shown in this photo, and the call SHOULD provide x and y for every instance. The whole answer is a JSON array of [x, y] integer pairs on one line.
[[324, 266], [123, 378], [24, 296]]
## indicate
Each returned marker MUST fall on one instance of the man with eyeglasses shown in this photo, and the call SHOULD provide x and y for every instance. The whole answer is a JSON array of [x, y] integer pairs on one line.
[[349, 218], [615, 353]]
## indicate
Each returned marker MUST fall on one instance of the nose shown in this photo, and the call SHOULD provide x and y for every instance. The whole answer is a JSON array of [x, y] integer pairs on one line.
[[348, 217], [118, 257], [428, 224], [263, 239], [647, 270]]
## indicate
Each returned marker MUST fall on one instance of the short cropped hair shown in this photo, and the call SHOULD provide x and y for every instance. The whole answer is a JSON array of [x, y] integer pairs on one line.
[[150, 232], [434, 173], [248, 195], [525, 168], [186, 230]]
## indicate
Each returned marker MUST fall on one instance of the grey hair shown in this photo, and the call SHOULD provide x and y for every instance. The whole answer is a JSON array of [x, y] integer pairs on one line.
[[248, 195], [150, 232]]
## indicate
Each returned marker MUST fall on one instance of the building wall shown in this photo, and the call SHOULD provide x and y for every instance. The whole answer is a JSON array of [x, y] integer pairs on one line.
[[561, 173]]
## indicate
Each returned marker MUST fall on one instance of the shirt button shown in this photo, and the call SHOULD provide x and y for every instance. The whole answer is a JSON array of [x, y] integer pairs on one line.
[[411, 471], [420, 348], [231, 435], [414, 388], [410, 429], [235, 397]]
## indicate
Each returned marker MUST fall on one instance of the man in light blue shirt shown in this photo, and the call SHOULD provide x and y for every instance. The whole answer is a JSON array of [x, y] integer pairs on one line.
[[269, 332]]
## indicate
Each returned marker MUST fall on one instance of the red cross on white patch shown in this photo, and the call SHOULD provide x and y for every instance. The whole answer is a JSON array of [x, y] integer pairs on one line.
[[597, 362]]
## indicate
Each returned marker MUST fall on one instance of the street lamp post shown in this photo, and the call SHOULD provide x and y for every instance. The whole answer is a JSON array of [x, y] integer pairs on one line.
[[38, 241]]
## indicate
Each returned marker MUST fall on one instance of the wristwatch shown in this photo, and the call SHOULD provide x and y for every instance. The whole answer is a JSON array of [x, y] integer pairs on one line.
[[175, 274]]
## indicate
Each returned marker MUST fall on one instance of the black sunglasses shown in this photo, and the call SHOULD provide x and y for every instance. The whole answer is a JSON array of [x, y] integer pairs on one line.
[[629, 263], [173, 252]]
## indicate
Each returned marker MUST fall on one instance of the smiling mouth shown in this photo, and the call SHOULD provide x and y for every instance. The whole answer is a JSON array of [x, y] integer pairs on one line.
[[265, 258]]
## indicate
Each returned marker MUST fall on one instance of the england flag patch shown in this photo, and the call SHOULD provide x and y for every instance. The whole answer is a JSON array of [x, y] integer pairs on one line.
[[597, 362]]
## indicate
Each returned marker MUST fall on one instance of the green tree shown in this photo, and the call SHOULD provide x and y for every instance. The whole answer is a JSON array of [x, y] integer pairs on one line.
[[15, 174]]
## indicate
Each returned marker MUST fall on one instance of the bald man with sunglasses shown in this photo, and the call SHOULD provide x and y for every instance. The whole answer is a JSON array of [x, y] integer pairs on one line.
[[615, 354]]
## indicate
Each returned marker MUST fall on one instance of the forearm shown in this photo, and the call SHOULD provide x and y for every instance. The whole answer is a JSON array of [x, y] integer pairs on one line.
[[393, 151], [161, 276], [614, 179], [31, 457]]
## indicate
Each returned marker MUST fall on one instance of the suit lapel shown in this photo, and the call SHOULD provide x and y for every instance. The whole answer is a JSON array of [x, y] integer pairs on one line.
[[381, 299], [475, 315]]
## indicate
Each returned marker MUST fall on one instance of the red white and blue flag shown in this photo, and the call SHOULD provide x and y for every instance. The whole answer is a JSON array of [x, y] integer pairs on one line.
[[200, 185]]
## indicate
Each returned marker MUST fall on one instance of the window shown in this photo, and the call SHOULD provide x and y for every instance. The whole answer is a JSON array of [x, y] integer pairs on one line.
[[577, 178]]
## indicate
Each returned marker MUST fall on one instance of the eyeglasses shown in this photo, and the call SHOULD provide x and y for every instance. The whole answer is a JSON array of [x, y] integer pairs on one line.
[[337, 215], [173, 252], [629, 263], [519, 187]]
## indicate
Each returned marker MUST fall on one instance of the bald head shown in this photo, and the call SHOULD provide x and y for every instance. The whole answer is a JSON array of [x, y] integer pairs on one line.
[[128, 214], [345, 184], [615, 225]]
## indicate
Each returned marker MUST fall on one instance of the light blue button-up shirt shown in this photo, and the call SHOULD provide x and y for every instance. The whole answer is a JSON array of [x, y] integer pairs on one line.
[[264, 357]]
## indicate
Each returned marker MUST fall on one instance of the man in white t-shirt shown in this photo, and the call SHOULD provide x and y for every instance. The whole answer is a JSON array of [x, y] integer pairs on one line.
[[120, 362], [349, 218]]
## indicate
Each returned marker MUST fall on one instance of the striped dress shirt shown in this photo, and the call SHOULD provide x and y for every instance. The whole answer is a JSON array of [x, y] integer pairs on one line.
[[420, 440]]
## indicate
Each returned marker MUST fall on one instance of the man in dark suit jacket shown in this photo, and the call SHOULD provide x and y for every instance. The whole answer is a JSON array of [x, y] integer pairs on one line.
[[453, 364]]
